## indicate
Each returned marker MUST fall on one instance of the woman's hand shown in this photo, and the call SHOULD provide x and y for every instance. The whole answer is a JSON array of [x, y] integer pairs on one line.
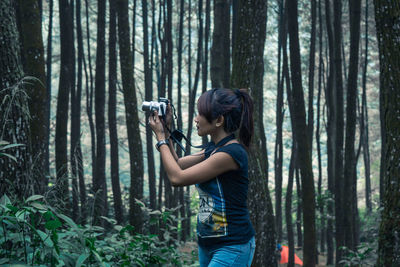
[[168, 116], [156, 125]]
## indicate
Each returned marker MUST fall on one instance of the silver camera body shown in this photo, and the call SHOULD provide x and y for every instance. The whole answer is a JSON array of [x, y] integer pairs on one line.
[[160, 106]]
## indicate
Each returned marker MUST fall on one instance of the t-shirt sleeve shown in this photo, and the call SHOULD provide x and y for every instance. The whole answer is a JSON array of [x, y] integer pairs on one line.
[[239, 155]]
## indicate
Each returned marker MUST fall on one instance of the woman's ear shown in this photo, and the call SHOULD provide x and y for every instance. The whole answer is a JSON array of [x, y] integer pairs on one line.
[[220, 121]]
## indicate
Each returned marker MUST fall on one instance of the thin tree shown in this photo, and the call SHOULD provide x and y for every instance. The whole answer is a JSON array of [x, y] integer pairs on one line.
[[112, 113], [350, 159], [386, 13], [132, 119], [288, 206], [99, 177], [339, 135], [298, 117], [364, 117], [148, 96], [247, 72], [48, 84], [64, 89]]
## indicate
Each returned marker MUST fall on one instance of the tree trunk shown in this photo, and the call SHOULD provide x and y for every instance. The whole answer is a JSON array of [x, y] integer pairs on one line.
[[132, 120], [89, 92], [298, 116], [32, 55], [350, 159], [339, 208], [64, 89], [48, 85], [364, 119], [288, 206], [220, 52], [112, 114], [331, 131], [387, 13], [14, 175], [247, 72]]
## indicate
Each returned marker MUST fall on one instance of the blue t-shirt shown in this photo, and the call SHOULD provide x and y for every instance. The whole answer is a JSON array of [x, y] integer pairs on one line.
[[223, 217]]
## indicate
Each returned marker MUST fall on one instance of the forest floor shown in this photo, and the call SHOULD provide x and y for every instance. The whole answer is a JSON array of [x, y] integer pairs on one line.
[[190, 255]]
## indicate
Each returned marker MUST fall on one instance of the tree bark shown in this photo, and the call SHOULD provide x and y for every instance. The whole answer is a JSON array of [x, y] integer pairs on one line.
[[14, 176], [220, 52], [32, 55], [132, 119], [247, 72], [64, 89], [387, 13], [298, 116], [350, 159], [112, 114]]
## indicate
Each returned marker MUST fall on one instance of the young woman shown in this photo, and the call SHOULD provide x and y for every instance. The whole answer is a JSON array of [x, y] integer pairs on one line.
[[220, 173]]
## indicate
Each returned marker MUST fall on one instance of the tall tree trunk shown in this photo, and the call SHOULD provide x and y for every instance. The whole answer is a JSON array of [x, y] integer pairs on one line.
[[75, 129], [364, 118], [387, 13], [48, 85], [64, 89], [112, 113], [350, 159], [89, 92], [14, 175], [298, 116], [331, 131], [339, 208], [220, 49], [288, 206], [323, 235], [148, 96], [311, 70], [99, 177], [32, 55], [132, 119], [79, 159], [278, 154], [182, 201], [247, 72]]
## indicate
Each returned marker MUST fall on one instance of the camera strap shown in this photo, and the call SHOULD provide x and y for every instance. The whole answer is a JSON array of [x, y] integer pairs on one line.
[[178, 135]]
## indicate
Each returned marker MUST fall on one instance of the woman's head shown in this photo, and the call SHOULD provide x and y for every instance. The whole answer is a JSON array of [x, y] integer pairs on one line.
[[236, 106]]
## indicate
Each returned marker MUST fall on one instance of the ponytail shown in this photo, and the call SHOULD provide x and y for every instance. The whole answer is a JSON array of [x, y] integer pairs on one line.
[[246, 128]]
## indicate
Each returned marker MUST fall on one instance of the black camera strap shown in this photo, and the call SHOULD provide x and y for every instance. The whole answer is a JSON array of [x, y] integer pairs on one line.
[[178, 135]]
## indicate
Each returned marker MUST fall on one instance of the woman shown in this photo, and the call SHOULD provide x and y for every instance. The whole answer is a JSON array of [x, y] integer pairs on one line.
[[220, 172]]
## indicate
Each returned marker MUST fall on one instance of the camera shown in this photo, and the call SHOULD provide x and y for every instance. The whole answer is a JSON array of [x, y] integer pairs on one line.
[[160, 105]]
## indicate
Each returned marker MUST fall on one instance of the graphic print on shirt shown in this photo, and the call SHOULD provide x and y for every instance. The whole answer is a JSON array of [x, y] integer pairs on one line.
[[212, 216]]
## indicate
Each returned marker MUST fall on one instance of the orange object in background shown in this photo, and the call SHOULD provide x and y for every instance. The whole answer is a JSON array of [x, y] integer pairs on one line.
[[285, 256]]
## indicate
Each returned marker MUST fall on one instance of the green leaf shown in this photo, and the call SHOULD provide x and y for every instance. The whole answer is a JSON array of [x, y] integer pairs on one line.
[[45, 238], [52, 225], [68, 220], [82, 258], [4, 200], [33, 198], [38, 206], [9, 156], [4, 261]]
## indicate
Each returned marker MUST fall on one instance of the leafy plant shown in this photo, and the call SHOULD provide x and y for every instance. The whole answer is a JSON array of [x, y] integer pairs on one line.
[[4, 145], [34, 233], [365, 255]]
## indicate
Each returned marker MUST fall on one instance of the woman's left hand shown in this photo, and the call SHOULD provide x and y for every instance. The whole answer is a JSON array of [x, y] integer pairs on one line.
[[156, 125]]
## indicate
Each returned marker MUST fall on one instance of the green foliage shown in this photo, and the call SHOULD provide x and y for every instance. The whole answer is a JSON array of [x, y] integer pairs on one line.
[[34, 233], [5, 145], [365, 255]]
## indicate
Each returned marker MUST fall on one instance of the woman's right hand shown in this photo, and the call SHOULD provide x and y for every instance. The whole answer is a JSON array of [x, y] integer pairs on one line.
[[168, 116]]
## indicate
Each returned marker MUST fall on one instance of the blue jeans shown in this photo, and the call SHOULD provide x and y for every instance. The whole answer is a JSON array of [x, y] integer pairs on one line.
[[240, 255]]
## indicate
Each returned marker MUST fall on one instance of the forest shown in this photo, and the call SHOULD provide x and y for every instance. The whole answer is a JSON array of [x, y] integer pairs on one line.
[[82, 184]]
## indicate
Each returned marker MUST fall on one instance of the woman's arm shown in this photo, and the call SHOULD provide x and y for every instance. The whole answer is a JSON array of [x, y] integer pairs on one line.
[[186, 161], [203, 171]]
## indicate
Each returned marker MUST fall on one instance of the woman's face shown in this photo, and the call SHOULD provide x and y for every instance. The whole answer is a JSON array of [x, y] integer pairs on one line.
[[203, 126]]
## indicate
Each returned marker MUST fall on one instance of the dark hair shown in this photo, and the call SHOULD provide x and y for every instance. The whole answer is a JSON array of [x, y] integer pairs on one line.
[[235, 105]]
